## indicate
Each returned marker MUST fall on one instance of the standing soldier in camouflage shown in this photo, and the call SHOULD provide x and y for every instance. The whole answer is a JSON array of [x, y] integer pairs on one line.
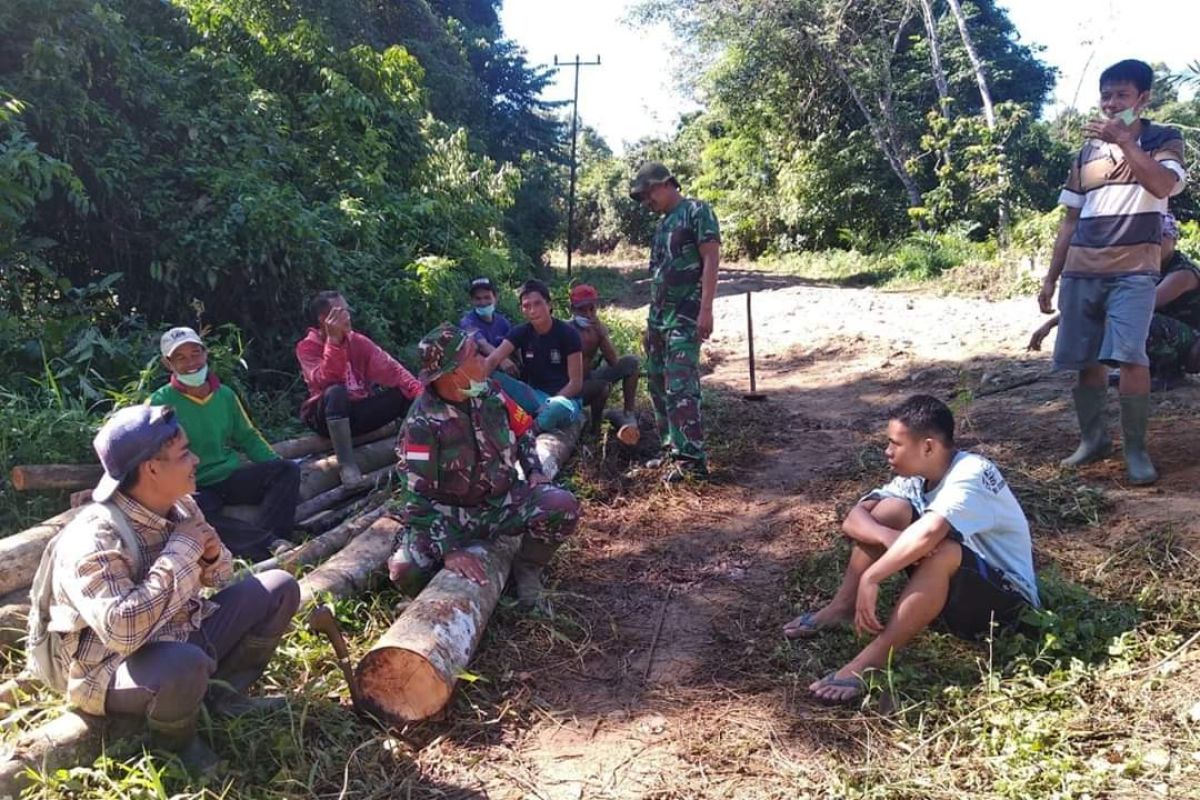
[[684, 257], [459, 448]]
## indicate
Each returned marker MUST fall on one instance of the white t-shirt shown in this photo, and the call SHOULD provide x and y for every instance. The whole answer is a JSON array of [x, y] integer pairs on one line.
[[975, 499]]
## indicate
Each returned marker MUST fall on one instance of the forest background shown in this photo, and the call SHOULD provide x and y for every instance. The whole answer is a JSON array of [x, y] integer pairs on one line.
[[214, 162]]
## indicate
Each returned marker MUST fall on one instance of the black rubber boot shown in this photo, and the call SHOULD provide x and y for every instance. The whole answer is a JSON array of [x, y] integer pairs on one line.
[[1094, 443], [1135, 415], [179, 737], [528, 567], [343, 447]]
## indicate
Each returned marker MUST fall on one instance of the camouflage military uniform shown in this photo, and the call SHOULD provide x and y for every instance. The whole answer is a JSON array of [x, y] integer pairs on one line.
[[460, 463], [672, 342], [1176, 326]]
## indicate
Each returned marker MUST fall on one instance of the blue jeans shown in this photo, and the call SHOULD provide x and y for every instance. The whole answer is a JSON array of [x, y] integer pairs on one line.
[[558, 413]]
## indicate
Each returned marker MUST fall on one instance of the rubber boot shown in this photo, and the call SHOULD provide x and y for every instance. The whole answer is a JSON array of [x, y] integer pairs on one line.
[[528, 567], [1094, 443], [1191, 362], [235, 674], [1135, 414], [179, 737], [343, 447]]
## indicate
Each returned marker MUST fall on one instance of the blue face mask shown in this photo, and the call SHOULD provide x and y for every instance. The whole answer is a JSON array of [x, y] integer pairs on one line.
[[486, 311], [194, 379], [477, 389], [582, 321]]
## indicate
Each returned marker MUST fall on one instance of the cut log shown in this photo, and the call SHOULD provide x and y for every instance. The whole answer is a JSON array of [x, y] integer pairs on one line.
[[353, 568], [309, 445], [325, 521], [30, 477], [555, 448], [323, 474], [21, 553], [71, 477], [65, 741], [325, 545], [341, 492], [410, 673], [14, 622]]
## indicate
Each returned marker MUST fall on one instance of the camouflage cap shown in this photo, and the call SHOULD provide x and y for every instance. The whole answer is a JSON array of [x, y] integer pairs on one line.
[[650, 174], [439, 351]]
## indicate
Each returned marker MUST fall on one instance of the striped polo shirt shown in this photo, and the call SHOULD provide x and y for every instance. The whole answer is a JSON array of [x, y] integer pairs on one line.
[[1120, 222]]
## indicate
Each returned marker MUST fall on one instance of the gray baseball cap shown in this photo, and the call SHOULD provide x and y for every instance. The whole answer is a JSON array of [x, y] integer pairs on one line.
[[129, 437]]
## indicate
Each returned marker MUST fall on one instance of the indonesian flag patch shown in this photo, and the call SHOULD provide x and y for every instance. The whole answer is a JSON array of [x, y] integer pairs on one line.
[[416, 452], [518, 418]]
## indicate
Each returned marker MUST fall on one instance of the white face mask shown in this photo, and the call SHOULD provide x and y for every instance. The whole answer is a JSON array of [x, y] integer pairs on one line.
[[194, 379]]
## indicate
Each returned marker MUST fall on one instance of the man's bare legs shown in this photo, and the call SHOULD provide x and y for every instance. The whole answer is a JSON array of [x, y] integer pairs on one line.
[[923, 598], [894, 515]]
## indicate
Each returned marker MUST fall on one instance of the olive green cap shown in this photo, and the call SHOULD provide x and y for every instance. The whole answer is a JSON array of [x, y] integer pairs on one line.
[[440, 351], [650, 174]]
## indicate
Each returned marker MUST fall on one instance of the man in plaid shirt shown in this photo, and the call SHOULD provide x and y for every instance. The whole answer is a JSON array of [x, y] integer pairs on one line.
[[137, 636]]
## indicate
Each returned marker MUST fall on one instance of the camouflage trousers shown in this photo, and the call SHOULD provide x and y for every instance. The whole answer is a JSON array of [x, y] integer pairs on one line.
[[546, 513], [673, 378], [1168, 345]]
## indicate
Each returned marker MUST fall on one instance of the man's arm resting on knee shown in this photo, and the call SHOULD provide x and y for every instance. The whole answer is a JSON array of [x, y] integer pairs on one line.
[[498, 354], [914, 543], [863, 528]]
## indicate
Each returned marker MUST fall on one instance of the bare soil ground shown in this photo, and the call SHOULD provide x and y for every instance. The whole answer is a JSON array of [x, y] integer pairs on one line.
[[665, 674]]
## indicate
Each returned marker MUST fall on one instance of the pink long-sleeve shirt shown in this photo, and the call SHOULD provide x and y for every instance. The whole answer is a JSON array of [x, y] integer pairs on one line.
[[356, 361]]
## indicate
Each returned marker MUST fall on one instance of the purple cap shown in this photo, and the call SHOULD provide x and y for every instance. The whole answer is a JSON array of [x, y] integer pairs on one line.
[[129, 437]]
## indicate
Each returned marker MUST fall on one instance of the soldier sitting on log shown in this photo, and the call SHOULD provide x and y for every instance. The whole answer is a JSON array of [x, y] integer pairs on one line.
[[342, 368], [460, 447], [218, 428], [598, 381], [118, 622]]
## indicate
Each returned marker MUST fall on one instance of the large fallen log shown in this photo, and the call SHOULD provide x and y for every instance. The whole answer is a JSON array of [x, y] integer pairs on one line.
[[323, 474], [310, 445], [353, 568], [341, 493], [14, 622], [555, 448], [68, 740], [21, 552], [410, 673], [324, 521], [71, 477], [325, 545]]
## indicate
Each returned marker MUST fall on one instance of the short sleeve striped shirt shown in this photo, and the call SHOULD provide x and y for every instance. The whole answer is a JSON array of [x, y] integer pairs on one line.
[[1120, 222]]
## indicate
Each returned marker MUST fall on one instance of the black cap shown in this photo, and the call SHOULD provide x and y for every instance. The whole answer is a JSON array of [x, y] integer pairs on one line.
[[481, 283]]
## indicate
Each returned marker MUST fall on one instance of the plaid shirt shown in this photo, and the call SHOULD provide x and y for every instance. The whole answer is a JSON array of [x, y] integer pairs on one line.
[[105, 613]]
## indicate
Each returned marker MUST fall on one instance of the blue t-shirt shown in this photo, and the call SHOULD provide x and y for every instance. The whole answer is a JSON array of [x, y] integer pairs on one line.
[[491, 332], [544, 356]]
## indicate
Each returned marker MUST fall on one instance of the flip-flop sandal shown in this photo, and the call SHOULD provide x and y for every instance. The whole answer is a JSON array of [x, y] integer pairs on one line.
[[802, 627], [857, 684]]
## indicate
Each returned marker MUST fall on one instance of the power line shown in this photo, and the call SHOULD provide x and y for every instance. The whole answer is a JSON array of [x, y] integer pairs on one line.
[[574, 128]]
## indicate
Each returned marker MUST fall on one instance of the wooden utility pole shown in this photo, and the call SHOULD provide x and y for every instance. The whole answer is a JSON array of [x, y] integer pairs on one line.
[[574, 130]]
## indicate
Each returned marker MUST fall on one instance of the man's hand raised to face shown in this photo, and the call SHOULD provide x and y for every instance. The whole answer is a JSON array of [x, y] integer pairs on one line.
[[1111, 130], [336, 324]]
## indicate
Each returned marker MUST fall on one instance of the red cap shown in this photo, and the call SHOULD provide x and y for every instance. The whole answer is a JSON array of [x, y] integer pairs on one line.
[[584, 295]]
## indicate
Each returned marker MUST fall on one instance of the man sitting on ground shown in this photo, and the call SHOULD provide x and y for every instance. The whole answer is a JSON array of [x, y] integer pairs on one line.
[[597, 382], [459, 448], [1173, 345], [950, 520], [128, 630], [551, 362], [342, 369], [218, 428]]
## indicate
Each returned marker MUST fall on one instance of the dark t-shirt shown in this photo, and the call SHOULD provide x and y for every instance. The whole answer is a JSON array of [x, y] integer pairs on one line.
[[544, 357], [1186, 307]]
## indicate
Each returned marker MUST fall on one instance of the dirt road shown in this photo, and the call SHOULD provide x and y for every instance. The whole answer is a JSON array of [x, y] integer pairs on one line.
[[676, 682]]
